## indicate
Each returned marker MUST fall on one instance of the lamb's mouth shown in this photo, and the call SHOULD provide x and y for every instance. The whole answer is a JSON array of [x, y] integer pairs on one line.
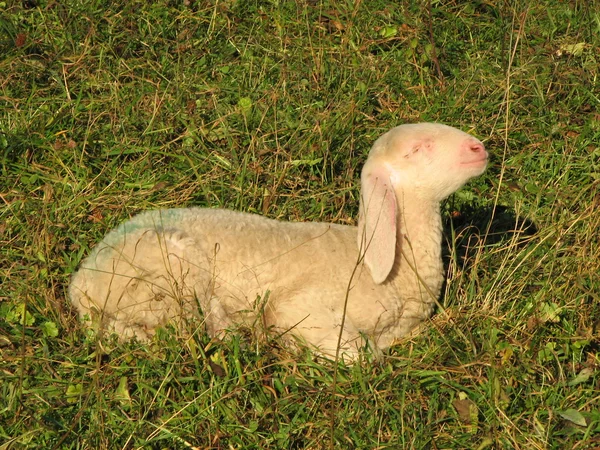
[[476, 162]]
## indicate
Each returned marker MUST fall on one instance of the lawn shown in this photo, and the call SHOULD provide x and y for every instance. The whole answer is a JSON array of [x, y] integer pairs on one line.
[[112, 108]]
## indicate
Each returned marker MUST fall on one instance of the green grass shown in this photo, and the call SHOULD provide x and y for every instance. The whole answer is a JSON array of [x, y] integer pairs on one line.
[[108, 109]]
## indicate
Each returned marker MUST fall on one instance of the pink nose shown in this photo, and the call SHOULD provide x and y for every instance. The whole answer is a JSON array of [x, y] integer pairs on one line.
[[477, 147]]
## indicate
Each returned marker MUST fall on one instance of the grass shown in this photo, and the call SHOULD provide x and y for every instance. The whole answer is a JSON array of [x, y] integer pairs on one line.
[[111, 108]]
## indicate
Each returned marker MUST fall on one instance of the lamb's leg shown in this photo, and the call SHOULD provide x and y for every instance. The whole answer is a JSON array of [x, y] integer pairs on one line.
[[318, 327]]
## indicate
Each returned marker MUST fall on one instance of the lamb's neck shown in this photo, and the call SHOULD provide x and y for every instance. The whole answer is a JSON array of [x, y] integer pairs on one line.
[[419, 271]]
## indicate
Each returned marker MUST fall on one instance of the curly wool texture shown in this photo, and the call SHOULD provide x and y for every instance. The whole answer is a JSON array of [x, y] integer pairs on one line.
[[230, 268]]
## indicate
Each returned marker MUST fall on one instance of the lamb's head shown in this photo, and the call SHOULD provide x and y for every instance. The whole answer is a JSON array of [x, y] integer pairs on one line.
[[420, 164], [427, 160]]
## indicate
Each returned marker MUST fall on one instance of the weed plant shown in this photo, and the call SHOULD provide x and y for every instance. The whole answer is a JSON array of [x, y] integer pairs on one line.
[[112, 108]]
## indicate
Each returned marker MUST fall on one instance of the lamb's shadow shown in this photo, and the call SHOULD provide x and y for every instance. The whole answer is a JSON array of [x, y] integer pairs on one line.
[[474, 227]]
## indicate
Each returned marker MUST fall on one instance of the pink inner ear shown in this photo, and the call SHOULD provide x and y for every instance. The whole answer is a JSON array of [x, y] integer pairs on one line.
[[377, 224]]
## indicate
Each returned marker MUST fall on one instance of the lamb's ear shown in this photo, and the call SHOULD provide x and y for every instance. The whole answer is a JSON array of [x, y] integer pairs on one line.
[[377, 223]]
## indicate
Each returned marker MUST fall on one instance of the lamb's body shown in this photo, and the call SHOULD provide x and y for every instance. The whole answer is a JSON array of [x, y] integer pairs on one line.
[[239, 268]]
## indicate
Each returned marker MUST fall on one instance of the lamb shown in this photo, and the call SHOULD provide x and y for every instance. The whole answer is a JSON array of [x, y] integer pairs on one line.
[[378, 280]]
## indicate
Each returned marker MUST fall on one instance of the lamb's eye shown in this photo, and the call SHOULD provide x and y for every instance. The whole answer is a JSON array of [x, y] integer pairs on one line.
[[414, 149]]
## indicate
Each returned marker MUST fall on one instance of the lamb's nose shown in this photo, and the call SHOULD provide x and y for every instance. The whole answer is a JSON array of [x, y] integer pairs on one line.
[[477, 147]]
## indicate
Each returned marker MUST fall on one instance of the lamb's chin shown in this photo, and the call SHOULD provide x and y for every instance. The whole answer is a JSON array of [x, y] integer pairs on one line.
[[475, 168]]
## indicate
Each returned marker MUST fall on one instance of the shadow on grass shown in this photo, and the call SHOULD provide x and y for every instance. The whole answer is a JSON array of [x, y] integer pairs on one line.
[[475, 227]]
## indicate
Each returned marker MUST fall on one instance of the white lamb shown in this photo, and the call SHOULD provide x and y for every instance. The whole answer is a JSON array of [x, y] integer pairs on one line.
[[380, 279]]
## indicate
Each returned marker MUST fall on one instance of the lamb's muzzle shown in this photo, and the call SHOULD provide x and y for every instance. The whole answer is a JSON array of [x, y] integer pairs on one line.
[[291, 277]]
